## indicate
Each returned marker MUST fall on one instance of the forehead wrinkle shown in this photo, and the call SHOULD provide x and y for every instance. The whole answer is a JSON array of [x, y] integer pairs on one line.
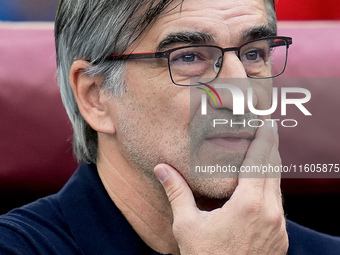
[[223, 21], [223, 7]]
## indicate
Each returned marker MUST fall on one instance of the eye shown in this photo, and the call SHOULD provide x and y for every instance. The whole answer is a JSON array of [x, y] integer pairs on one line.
[[189, 57], [253, 55], [186, 57]]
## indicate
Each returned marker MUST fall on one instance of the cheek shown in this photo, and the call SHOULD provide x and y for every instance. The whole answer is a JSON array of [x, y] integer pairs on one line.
[[154, 118], [159, 109], [149, 133], [153, 95]]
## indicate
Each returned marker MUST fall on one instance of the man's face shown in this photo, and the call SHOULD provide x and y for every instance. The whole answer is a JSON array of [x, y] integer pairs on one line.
[[158, 121]]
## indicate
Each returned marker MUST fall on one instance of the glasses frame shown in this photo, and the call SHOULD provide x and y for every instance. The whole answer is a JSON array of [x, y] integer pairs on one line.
[[166, 54]]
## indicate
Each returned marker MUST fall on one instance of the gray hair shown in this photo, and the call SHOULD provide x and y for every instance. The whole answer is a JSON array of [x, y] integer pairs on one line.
[[93, 30]]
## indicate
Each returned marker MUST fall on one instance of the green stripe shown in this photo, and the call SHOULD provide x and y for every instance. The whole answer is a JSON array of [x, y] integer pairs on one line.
[[209, 95]]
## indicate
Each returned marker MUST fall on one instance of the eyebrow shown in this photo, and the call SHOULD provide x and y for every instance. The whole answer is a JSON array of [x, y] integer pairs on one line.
[[205, 38], [257, 33], [184, 37]]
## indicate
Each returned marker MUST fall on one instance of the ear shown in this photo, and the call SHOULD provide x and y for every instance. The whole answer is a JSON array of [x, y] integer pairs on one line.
[[93, 104]]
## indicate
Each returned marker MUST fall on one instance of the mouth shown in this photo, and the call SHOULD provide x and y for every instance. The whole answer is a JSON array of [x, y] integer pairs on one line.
[[233, 141]]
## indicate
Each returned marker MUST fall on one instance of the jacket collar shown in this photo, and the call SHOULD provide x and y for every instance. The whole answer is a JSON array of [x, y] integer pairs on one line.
[[96, 223]]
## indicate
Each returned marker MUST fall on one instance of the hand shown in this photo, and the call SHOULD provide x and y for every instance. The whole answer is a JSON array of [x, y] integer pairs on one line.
[[251, 222]]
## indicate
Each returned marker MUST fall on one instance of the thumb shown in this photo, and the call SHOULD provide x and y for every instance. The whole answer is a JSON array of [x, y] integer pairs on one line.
[[177, 190]]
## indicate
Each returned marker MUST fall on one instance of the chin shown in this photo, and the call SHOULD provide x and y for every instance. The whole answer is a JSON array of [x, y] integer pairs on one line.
[[213, 188], [211, 194]]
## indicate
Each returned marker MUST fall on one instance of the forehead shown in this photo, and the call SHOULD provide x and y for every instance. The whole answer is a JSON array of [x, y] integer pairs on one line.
[[224, 20]]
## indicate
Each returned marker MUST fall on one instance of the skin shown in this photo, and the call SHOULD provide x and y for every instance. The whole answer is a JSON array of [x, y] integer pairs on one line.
[[156, 123]]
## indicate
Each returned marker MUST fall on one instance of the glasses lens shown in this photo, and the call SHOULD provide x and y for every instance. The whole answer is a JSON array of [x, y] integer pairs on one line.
[[202, 62], [264, 58]]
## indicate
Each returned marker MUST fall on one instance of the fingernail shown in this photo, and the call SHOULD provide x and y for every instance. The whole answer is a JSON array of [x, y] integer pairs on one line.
[[161, 173]]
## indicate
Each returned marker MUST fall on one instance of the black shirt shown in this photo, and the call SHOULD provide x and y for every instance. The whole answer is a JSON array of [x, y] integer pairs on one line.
[[82, 219]]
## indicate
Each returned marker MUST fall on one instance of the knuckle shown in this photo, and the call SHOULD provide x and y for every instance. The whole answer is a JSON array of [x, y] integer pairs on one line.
[[254, 206], [174, 192], [262, 159], [275, 218]]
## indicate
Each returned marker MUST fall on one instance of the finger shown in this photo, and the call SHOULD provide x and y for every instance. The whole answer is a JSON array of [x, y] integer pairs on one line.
[[177, 190], [260, 149], [273, 181], [251, 184], [272, 187], [274, 165], [258, 155]]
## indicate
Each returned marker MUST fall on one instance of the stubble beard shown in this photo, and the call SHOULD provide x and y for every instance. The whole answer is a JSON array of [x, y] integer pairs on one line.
[[145, 150]]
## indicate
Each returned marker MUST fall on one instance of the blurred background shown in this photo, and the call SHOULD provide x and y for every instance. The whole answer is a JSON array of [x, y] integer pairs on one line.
[[28, 10], [44, 10], [34, 87]]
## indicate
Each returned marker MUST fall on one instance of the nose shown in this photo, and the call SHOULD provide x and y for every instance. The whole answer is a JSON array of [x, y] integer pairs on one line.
[[232, 73], [232, 67]]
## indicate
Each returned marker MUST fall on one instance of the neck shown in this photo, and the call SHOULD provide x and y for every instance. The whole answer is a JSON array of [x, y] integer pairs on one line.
[[141, 200]]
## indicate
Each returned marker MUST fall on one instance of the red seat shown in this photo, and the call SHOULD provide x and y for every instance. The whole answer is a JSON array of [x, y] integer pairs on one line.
[[35, 145]]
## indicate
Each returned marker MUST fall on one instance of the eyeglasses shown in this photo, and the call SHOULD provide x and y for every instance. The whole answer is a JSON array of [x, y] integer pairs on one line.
[[262, 58]]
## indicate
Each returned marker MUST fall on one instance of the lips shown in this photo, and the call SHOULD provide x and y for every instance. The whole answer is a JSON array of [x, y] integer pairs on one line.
[[231, 140]]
